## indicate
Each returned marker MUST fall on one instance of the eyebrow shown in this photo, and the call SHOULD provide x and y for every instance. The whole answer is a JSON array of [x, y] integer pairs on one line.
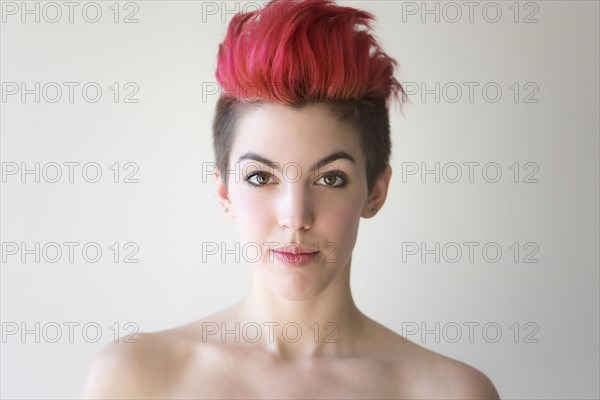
[[337, 155]]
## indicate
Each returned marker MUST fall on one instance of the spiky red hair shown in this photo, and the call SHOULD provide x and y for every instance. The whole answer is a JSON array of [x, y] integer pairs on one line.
[[294, 51]]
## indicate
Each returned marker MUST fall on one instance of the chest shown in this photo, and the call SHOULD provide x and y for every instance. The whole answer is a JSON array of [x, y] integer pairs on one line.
[[253, 379]]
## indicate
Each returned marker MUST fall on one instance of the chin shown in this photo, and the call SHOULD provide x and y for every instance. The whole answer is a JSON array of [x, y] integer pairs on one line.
[[295, 288], [297, 283]]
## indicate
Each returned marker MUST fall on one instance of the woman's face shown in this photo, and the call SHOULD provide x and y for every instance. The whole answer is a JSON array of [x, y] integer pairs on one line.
[[299, 200]]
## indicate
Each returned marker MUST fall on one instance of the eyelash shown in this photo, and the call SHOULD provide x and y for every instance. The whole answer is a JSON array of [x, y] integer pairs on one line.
[[335, 174]]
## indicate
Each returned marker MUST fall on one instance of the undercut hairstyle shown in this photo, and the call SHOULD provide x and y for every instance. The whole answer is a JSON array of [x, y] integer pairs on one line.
[[300, 52]]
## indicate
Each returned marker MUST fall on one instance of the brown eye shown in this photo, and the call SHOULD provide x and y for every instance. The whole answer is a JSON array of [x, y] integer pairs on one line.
[[262, 179], [330, 180]]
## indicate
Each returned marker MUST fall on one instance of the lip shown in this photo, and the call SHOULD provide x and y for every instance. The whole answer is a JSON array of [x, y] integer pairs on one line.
[[296, 260], [296, 254], [296, 249]]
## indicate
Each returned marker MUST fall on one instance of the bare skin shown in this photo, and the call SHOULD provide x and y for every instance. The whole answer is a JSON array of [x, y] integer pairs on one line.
[[340, 352], [181, 363]]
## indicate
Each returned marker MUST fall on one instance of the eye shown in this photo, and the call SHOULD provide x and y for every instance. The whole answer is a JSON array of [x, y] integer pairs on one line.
[[262, 179], [330, 179]]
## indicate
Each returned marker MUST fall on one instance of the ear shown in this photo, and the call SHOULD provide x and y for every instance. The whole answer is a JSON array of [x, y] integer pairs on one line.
[[222, 195], [378, 195]]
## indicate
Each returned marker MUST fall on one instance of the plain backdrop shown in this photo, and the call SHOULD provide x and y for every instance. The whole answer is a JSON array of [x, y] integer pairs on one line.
[[505, 90]]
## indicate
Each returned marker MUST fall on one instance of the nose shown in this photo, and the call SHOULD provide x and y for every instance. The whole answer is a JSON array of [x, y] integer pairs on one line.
[[295, 209]]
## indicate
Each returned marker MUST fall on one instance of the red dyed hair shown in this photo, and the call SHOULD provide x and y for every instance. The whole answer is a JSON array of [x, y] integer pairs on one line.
[[294, 51]]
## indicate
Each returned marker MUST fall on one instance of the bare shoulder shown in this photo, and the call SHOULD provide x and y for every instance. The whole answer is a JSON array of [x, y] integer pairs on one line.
[[141, 369], [152, 366], [437, 376], [453, 379], [423, 373]]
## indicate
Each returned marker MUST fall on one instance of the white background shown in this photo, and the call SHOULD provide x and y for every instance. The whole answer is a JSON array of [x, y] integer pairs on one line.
[[170, 55]]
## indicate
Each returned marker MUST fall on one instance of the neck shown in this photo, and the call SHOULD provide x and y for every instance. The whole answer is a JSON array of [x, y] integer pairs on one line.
[[327, 324]]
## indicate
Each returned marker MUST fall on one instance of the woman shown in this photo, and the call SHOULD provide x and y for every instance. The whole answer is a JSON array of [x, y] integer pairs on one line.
[[302, 139]]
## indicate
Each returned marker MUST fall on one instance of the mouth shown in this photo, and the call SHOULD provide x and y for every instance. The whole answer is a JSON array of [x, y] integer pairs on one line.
[[296, 259]]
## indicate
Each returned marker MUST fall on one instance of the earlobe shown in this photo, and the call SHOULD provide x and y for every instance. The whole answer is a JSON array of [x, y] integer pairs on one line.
[[378, 195], [222, 194], [369, 211], [229, 210]]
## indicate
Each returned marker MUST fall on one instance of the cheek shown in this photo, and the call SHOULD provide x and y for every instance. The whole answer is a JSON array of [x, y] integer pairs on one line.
[[252, 215], [339, 221]]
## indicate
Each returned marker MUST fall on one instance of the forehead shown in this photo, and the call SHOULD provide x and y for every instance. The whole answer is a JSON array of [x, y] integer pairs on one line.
[[294, 134]]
